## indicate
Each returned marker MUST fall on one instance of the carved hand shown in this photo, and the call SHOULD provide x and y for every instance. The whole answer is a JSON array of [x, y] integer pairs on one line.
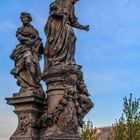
[[86, 28]]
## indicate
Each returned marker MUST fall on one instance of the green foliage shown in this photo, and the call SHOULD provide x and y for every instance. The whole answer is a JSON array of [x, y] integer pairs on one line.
[[88, 132], [128, 126]]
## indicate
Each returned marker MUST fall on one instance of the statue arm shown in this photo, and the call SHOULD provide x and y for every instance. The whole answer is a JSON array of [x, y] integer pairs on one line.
[[39, 46], [75, 23], [22, 38], [79, 26], [39, 49]]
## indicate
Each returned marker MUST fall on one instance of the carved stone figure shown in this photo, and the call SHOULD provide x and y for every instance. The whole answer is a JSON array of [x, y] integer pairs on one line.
[[26, 56], [60, 47], [67, 96], [67, 102], [59, 114]]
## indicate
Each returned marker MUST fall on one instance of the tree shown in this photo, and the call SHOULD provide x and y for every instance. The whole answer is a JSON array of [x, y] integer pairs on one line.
[[88, 132], [128, 126]]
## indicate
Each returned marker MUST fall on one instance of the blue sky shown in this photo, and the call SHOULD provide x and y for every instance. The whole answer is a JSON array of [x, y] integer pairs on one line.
[[109, 54]]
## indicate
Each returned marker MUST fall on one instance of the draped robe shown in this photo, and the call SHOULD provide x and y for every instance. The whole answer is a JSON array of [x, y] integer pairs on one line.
[[60, 46]]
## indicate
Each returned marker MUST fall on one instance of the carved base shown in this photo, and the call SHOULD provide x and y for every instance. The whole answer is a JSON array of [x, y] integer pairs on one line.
[[59, 117], [62, 138], [28, 110], [63, 112], [23, 138]]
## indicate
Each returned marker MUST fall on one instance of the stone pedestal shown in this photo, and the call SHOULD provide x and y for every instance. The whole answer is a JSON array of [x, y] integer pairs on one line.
[[57, 117], [28, 110], [61, 120]]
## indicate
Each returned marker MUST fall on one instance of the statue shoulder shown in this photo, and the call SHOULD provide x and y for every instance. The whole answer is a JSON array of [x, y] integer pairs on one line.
[[19, 30]]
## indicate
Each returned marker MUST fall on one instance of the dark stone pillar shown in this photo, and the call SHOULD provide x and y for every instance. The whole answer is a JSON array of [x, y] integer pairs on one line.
[[60, 120]]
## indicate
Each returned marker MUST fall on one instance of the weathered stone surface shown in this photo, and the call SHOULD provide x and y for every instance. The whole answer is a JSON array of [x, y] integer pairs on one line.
[[70, 137], [61, 39], [67, 96], [28, 110], [29, 102], [59, 114], [26, 56], [67, 101]]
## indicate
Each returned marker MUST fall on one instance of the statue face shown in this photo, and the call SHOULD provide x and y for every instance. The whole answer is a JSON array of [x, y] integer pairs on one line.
[[25, 19]]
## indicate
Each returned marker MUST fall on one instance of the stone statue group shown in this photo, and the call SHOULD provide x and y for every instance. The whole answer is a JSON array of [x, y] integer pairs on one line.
[[67, 97]]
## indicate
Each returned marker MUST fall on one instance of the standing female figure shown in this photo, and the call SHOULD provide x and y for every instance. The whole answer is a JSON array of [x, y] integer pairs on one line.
[[26, 56], [60, 46]]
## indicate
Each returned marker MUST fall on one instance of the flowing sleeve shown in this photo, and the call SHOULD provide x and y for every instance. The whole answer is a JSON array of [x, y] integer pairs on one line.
[[73, 18]]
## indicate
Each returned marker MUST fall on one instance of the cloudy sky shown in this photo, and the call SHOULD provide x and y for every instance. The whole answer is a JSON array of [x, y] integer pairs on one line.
[[109, 54]]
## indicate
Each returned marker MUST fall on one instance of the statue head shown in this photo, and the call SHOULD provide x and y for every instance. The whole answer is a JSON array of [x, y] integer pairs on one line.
[[25, 17], [74, 1]]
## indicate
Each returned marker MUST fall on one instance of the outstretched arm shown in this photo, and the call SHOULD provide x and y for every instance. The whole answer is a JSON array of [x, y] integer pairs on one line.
[[79, 26], [75, 23]]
